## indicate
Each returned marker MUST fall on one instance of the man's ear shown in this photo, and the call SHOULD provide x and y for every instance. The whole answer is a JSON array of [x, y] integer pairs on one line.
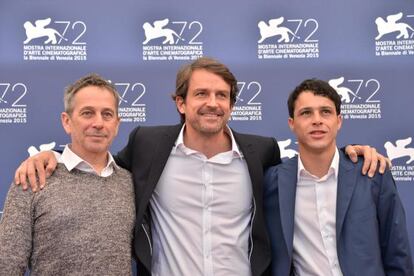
[[117, 125], [231, 106], [180, 103], [65, 119], [339, 121], [290, 123]]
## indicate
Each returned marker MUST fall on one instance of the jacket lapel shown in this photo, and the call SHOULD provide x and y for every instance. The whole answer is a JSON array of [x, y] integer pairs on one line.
[[253, 163], [287, 178], [160, 158], [346, 185]]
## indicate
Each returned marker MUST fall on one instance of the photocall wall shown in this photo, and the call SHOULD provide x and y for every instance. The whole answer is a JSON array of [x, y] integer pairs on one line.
[[365, 50]]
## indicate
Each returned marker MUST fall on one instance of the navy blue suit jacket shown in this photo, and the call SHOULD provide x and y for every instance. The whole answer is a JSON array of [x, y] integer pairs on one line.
[[371, 233]]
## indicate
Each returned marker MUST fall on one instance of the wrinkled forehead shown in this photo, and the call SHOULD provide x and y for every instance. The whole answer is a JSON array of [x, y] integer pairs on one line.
[[207, 79], [95, 97]]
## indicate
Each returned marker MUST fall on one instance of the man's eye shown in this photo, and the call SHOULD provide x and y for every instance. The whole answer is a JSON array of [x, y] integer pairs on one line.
[[222, 95], [108, 115], [86, 113]]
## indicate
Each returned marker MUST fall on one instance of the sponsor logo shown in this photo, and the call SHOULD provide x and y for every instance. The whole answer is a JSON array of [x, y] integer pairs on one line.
[[395, 36], [400, 150], [248, 107], [32, 150], [281, 40], [403, 159], [286, 152], [13, 109], [175, 40], [359, 98], [131, 107], [48, 40]]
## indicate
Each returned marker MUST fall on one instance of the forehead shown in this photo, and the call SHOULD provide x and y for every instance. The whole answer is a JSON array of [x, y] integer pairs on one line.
[[202, 78], [94, 96], [307, 99]]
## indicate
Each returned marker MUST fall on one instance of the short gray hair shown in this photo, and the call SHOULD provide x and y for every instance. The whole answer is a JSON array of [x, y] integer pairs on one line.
[[88, 80]]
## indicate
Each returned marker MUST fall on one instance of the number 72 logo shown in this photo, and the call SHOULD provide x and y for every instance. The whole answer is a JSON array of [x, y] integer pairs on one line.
[[13, 94]]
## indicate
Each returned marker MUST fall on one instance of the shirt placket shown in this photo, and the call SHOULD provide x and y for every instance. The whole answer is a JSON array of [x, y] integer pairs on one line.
[[328, 237], [207, 177]]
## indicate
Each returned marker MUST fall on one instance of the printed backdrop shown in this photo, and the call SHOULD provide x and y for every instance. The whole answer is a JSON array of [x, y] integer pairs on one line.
[[365, 49]]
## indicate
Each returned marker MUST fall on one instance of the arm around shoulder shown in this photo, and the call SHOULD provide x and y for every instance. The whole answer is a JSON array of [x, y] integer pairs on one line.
[[36, 169]]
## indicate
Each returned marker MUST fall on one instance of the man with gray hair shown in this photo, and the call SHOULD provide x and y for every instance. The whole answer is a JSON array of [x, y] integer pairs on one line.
[[82, 222]]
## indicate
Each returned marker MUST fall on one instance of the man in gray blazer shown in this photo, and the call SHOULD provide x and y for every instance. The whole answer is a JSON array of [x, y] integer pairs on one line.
[[323, 216]]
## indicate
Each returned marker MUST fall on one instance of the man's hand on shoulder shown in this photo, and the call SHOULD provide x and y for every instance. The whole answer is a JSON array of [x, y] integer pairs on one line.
[[34, 170], [371, 159]]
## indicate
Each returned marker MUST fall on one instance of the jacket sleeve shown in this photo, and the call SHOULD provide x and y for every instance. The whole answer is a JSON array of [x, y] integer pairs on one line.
[[271, 209], [394, 241], [276, 153], [16, 228]]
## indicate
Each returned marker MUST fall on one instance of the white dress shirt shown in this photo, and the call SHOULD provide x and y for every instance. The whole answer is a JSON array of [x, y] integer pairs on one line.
[[201, 211], [71, 160], [314, 240]]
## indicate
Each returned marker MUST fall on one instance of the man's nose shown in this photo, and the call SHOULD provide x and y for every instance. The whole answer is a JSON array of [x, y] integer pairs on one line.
[[98, 121], [316, 118], [212, 101]]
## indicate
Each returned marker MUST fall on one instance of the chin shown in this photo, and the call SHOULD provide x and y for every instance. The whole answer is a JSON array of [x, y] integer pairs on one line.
[[212, 130], [319, 147], [97, 149]]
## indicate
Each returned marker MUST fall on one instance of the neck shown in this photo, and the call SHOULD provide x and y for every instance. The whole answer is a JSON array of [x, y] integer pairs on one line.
[[317, 162], [208, 144], [98, 161]]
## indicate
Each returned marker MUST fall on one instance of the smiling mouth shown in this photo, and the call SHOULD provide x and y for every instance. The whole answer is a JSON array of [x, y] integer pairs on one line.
[[213, 115]]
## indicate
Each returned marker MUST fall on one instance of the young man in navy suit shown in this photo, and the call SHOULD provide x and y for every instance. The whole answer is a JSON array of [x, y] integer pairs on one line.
[[323, 216]]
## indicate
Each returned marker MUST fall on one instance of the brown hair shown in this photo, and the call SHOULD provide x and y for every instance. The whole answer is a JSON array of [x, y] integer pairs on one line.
[[211, 65]]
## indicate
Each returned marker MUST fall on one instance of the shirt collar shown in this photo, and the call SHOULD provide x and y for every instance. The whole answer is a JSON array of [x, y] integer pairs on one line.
[[179, 143], [71, 161], [333, 168]]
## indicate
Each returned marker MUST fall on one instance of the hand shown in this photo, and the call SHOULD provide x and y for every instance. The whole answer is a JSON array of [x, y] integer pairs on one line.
[[371, 159], [37, 167]]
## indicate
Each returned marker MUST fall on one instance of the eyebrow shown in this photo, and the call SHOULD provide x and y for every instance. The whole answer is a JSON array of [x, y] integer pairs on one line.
[[317, 108], [93, 108]]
